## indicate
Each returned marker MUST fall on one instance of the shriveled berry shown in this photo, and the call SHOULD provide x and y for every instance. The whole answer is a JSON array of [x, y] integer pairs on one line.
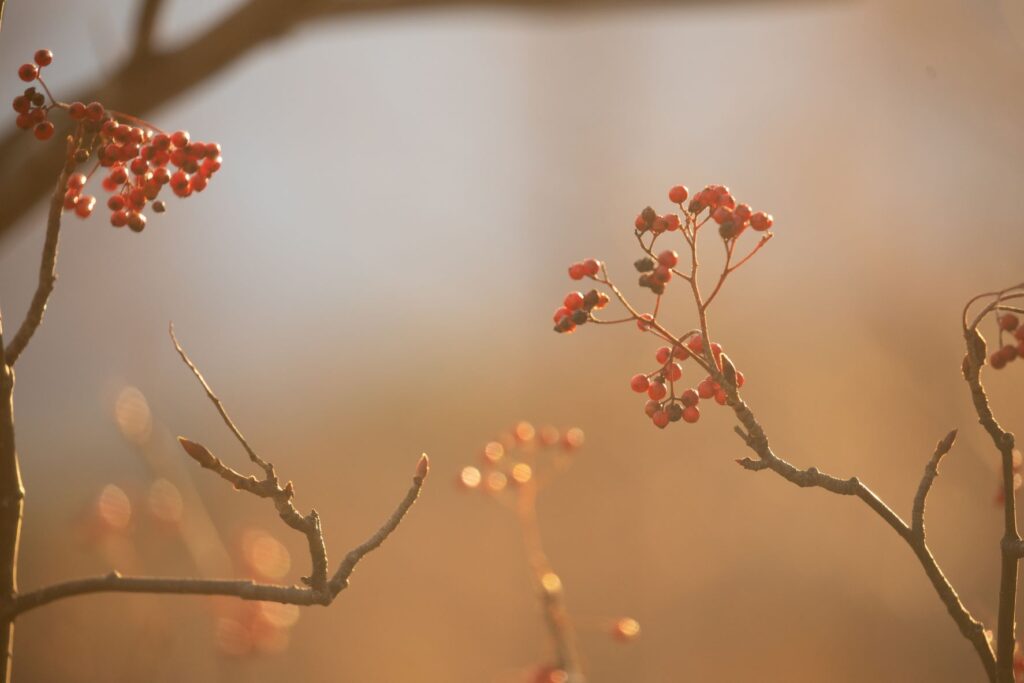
[[644, 265], [675, 412], [136, 221], [651, 407]]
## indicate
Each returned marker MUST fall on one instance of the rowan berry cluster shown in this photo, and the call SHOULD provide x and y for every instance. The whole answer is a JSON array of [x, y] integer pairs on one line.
[[138, 159], [576, 309], [1009, 324], [666, 402], [714, 204]]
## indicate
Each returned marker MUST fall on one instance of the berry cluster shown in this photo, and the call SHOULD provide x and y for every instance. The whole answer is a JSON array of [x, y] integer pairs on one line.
[[665, 403], [657, 268], [1008, 352], [576, 309], [138, 159]]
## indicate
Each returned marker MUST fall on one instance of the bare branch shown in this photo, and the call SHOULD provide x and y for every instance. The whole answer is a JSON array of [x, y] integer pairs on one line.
[[931, 471], [340, 580], [1004, 442], [148, 13], [756, 439], [267, 468], [47, 272]]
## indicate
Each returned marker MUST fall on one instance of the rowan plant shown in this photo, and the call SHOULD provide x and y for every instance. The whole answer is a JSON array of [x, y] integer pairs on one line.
[[691, 368], [136, 160], [513, 470]]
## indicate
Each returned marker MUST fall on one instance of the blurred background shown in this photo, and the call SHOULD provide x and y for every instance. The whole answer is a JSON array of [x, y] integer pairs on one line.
[[372, 275]]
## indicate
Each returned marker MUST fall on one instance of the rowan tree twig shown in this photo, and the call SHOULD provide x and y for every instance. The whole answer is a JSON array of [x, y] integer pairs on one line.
[[318, 590]]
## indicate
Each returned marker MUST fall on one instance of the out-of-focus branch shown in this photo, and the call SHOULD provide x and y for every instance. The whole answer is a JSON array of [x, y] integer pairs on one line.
[[47, 272], [148, 13], [148, 78], [754, 436], [1004, 442]]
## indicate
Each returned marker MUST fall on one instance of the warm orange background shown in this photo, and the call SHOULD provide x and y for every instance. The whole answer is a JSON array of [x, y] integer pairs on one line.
[[372, 275]]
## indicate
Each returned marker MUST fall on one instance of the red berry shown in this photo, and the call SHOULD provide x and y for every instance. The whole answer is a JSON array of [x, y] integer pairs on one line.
[[668, 258], [76, 111], [651, 407], [76, 181], [671, 222], [681, 352], [707, 388], [21, 104], [640, 223], [116, 202], [94, 111], [720, 397], [696, 344], [24, 121], [742, 213], [28, 72], [70, 199], [997, 361], [118, 176], [119, 219], [602, 300], [678, 194], [1009, 322], [591, 267], [663, 355], [722, 215], [657, 391], [138, 166], [576, 271], [639, 383], [691, 414], [573, 300], [761, 221], [43, 57], [740, 379], [673, 372], [689, 398], [1009, 353], [37, 115], [179, 138], [43, 131], [660, 419], [85, 205]]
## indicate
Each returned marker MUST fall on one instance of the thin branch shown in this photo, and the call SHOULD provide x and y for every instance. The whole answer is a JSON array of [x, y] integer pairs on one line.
[[931, 471], [267, 468], [1004, 443], [244, 589], [756, 439], [340, 580], [47, 272]]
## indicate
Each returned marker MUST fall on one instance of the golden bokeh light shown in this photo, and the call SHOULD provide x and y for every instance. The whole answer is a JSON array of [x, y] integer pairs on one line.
[[469, 477], [132, 414], [522, 473], [265, 555], [164, 501], [113, 507]]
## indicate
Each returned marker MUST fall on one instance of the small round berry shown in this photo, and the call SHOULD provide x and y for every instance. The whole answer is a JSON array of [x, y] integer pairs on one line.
[[707, 388], [761, 221], [668, 258], [671, 222], [673, 372], [43, 131], [116, 202], [21, 104], [639, 383], [28, 72], [24, 121], [179, 138], [118, 175], [720, 397], [651, 407], [657, 391], [742, 213], [94, 111], [70, 199], [639, 223], [43, 57], [38, 115], [696, 344], [675, 412], [1009, 353], [119, 219], [691, 414], [681, 352], [86, 203], [576, 271], [591, 267], [76, 110], [573, 300], [660, 419], [740, 379], [76, 181], [678, 194], [1008, 322], [689, 398], [663, 355], [722, 215]]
